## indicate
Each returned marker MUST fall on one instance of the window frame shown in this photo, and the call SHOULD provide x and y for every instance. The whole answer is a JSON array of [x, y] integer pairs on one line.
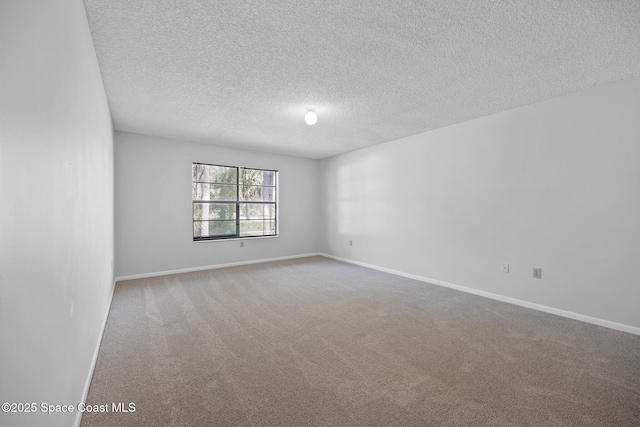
[[237, 202]]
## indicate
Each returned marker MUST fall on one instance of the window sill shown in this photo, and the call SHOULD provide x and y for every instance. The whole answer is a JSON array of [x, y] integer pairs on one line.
[[235, 239]]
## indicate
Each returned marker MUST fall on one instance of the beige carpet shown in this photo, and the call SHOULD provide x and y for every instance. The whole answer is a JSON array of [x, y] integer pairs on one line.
[[317, 342]]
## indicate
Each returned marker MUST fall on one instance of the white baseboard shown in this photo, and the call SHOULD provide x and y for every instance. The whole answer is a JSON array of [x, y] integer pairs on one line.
[[212, 267], [569, 314], [87, 383]]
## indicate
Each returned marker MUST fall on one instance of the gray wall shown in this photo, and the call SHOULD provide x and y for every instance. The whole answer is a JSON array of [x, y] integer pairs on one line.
[[153, 206], [56, 207], [554, 185]]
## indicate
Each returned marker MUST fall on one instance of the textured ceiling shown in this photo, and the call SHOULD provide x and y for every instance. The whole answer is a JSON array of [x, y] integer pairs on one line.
[[243, 73]]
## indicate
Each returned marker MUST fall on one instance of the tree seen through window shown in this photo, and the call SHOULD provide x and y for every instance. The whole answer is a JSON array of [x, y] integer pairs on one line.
[[232, 202]]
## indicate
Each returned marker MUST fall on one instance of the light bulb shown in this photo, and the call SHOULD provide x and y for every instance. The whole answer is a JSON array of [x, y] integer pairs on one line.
[[310, 118]]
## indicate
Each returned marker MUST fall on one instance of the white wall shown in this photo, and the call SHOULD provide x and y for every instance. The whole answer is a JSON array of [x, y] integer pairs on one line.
[[153, 206], [554, 185], [56, 207]]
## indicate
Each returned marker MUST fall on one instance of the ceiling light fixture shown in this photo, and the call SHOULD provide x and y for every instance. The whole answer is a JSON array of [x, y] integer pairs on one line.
[[311, 118]]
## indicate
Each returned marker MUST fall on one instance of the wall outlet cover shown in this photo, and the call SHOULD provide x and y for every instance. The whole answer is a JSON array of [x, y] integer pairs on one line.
[[537, 273]]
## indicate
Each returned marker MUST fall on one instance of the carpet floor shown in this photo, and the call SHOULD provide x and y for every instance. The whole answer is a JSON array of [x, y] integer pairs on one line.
[[318, 342]]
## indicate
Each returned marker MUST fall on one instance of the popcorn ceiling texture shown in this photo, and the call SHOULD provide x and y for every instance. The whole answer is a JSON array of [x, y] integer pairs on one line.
[[244, 73]]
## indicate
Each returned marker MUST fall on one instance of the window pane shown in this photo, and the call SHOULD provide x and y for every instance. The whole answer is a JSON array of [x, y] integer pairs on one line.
[[250, 176], [268, 178], [225, 192], [214, 228], [216, 192], [205, 211], [213, 173], [257, 177], [252, 193], [257, 211], [257, 227]]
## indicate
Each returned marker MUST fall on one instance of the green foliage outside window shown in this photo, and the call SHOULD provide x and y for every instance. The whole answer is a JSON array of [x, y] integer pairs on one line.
[[231, 201]]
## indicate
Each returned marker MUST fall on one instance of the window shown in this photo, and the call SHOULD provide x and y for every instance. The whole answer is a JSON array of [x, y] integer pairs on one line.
[[233, 202]]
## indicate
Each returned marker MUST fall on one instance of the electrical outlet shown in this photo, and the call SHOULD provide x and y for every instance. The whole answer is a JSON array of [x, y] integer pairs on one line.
[[242, 244], [505, 268], [350, 242], [537, 273]]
